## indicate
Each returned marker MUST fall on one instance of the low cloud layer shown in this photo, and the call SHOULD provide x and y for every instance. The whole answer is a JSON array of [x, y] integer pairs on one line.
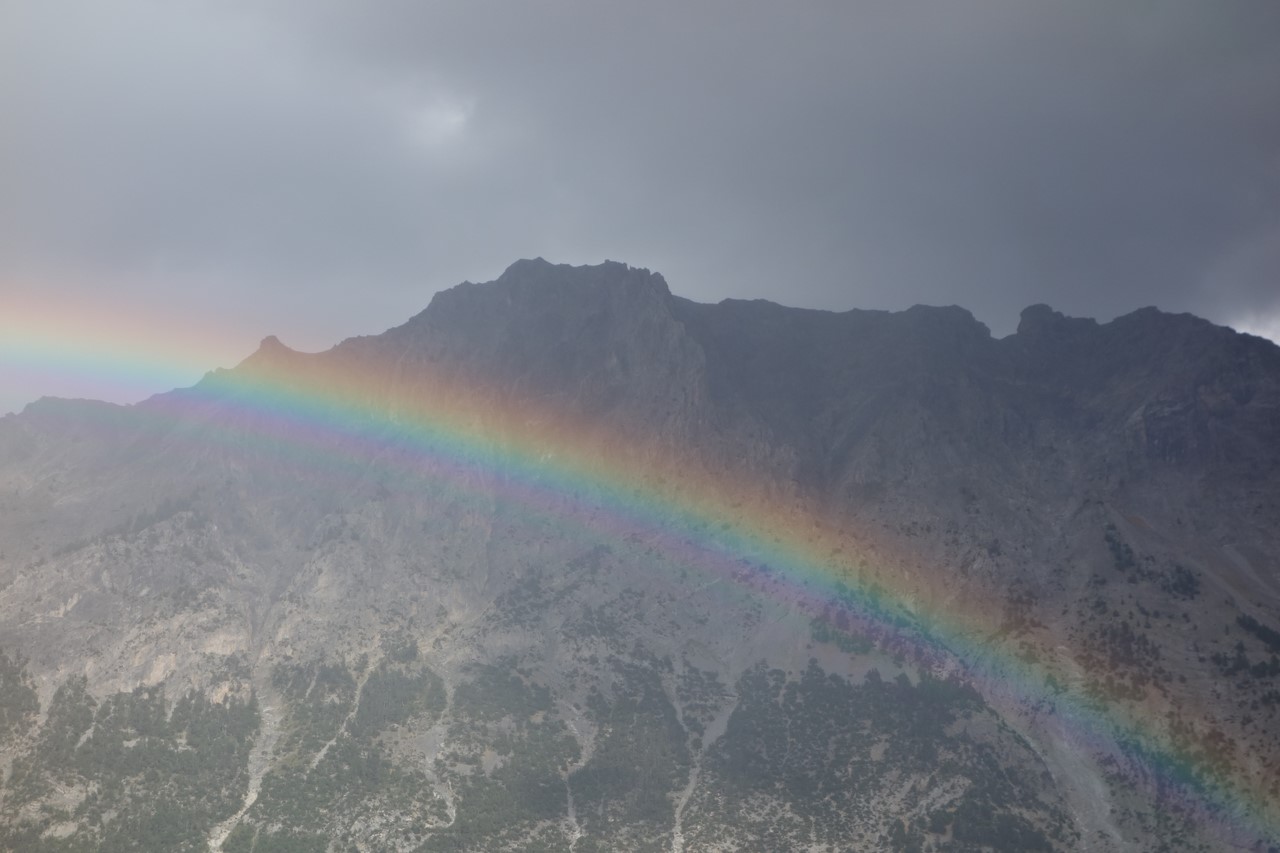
[[316, 168]]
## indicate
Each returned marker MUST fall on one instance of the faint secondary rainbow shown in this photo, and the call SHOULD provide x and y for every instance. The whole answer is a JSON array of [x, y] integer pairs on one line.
[[412, 422]]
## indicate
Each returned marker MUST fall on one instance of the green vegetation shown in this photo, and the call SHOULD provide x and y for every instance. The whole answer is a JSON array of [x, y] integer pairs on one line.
[[507, 765], [701, 696], [825, 751], [135, 772], [18, 702], [1121, 553], [854, 644], [1181, 582], [1268, 635], [391, 696], [245, 839], [1240, 663], [980, 824], [332, 769], [640, 757]]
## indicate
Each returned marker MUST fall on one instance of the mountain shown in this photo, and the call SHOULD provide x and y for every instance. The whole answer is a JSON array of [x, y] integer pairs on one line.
[[568, 562]]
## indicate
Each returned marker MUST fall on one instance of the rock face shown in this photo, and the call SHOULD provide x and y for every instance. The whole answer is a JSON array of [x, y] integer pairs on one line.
[[566, 562]]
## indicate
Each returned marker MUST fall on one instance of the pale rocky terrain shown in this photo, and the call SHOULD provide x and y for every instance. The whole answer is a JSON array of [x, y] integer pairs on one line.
[[223, 632]]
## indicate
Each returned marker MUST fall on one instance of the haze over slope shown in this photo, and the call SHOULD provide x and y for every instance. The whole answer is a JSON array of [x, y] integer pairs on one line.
[[566, 561]]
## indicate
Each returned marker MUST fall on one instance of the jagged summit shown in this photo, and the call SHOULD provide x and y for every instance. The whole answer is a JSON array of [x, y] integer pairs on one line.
[[534, 288], [525, 268], [539, 279], [270, 353], [270, 344], [951, 320], [561, 278], [1039, 318]]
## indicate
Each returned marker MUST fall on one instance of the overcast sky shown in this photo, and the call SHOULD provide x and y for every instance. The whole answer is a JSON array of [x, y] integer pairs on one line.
[[183, 178]]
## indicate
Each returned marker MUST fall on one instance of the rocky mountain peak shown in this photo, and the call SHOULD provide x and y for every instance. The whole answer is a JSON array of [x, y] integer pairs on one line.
[[530, 289], [1042, 322], [270, 353]]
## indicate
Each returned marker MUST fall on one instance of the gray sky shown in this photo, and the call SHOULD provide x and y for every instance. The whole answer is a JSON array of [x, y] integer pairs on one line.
[[180, 178]]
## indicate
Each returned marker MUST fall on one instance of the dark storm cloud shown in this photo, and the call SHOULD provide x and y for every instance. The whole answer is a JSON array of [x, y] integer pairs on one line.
[[324, 165], [992, 154]]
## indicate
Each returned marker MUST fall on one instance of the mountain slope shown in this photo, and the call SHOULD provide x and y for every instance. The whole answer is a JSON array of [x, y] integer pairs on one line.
[[568, 562]]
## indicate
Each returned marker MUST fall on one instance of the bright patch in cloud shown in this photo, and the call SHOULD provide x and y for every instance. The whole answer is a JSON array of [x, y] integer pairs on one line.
[[1262, 325], [440, 121]]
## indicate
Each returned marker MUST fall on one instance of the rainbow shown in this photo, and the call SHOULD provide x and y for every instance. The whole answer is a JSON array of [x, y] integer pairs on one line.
[[87, 346], [335, 414]]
